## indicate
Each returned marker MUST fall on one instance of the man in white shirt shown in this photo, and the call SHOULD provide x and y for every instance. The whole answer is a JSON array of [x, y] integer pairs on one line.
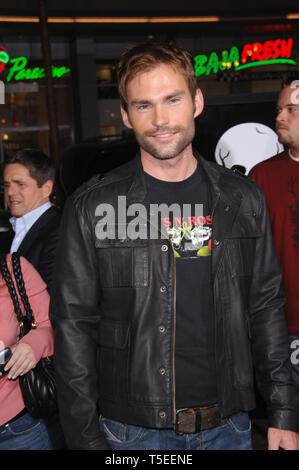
[[21, 225], [28, 183]]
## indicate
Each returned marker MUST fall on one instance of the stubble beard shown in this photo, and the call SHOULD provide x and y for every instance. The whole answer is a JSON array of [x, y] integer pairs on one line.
[[172, 150], [284, 139]]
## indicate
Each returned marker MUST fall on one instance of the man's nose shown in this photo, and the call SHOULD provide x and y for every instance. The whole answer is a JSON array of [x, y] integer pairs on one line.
[[281, 115], [9, 191], [160, 116]]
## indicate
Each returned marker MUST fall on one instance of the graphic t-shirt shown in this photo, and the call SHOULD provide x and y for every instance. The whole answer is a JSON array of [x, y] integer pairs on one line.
[[190, 231], [278, 177]]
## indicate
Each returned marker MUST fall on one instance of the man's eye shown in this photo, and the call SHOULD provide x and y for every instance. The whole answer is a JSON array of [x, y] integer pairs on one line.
[[174, 100], [142, 107]]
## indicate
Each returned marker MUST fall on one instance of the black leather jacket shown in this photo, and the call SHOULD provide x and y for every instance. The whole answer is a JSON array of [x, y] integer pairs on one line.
[[113, 309]]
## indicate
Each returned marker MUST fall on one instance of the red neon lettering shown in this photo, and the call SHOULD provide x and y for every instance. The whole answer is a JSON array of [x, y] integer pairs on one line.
[[209, 219], [257, 49], [178, 220], [247, 51], [191, 220], [286, 47], [267, 52], [276, 49], [166, 221]]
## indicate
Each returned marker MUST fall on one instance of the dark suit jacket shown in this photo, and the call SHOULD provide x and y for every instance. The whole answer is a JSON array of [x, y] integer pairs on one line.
[[39, 244]]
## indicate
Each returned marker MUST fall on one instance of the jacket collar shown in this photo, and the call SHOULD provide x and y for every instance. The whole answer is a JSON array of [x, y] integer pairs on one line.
[[32, 234], [220, 188], [138, 192], [225, 194]]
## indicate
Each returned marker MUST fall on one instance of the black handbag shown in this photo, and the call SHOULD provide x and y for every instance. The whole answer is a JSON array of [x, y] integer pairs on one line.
[[38, 386]]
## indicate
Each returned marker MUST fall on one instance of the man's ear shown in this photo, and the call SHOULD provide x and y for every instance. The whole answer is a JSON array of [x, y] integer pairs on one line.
[[125, 118], [47, 188], [198, 102]]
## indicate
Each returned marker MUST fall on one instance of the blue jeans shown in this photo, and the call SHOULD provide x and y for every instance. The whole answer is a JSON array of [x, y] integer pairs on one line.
[[294, 346], [25, 433], [233, 434]]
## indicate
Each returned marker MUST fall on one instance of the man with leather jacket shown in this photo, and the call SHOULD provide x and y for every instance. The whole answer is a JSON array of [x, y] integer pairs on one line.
[[167, 289]]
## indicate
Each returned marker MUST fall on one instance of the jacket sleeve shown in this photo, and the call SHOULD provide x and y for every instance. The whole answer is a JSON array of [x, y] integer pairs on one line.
[[74, 312], [270, 344]]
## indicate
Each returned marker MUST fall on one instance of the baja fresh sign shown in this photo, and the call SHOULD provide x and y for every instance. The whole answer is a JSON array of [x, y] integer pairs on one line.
[[17, 68], [250, 55]]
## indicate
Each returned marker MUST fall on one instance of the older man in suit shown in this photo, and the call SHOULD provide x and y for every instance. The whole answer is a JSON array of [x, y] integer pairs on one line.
[[28, 183]]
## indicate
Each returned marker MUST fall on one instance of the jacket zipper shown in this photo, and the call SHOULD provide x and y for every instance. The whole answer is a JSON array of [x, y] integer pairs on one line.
[[174, 338]]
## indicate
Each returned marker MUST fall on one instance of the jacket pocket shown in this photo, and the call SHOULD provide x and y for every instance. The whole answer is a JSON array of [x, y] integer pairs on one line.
[[241, 243], [123, 264]]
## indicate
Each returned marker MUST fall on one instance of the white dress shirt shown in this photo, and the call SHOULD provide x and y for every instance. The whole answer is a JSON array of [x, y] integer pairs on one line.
[[22, 225]]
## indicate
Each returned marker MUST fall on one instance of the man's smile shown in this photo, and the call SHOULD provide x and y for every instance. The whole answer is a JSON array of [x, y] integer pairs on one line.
[[164, 136]]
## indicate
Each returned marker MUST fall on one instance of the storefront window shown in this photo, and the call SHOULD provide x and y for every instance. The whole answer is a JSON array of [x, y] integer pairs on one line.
[[110, 123]]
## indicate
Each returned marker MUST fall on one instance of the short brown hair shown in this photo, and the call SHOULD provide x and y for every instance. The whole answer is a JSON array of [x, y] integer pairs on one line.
[[147, 56], [41, 168]]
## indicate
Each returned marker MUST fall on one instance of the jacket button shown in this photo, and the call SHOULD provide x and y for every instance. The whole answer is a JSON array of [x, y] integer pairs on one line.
[[162, 329], [216, 242], [162, 371], [164, 247], [163, 289], [162, 414], [227, 208]]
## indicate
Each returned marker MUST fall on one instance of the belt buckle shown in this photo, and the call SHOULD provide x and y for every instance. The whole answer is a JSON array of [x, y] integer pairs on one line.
[[191, 420], [187, 421]]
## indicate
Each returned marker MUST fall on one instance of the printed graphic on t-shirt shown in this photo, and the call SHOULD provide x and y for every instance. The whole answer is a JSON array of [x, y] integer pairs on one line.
[[294, 210], [190, 238]]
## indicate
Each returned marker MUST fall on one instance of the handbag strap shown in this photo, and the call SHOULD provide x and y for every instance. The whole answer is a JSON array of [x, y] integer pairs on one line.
[[26, 322], [17, 270]]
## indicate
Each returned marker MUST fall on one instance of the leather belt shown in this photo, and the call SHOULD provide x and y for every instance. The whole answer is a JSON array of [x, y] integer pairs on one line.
[[191, 420]]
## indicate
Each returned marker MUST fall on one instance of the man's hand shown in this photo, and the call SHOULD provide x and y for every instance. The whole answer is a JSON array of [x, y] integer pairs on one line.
[[280, 438], [21, 361]]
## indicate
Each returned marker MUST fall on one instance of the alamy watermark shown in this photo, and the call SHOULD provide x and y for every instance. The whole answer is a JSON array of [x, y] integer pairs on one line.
[[153, 221], [295, 353]]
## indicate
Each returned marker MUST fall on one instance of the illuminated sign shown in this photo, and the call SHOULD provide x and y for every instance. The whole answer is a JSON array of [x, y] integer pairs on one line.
[[17, 68], [4, 58], [251, 55]]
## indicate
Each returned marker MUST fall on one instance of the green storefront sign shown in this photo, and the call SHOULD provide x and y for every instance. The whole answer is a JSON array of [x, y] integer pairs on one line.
[[17, 69]]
